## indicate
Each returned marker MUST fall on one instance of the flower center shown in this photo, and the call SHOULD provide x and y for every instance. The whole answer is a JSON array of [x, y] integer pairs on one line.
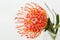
[[29, 21]]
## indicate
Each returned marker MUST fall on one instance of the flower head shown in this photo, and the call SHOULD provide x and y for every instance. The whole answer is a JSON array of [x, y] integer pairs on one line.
[[31, 20]]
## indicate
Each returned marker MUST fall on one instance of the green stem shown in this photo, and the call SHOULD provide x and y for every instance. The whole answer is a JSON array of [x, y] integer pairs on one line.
[[53, 36], [50, 27]]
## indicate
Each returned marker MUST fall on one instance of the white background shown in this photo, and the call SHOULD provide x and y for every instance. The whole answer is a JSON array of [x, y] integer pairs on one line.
[[8, 10]]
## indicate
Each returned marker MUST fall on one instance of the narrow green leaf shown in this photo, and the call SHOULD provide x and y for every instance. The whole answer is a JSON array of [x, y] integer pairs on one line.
[[50, 11], [49, 26], [57, 28], [57, 19], [47, 7]]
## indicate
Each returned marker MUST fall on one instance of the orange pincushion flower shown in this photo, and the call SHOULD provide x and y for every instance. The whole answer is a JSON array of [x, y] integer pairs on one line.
[[31, 20]]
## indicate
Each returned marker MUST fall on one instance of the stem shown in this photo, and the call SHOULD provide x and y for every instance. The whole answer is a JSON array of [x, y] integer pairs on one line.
[[53, 36], [52, 33]]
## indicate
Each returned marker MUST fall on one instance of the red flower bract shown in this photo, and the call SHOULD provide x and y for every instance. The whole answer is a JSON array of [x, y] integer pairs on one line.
[[31, 20]]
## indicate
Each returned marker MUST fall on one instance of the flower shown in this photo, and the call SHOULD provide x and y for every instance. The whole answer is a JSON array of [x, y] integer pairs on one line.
[[31, 20]]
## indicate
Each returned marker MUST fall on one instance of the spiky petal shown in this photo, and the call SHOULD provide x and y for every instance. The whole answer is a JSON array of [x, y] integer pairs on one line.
[[31, 20]]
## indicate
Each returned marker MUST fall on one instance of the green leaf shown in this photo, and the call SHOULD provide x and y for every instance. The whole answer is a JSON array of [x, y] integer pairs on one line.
[[57, 19], [49, 26], [57, 28], [48, 8]]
